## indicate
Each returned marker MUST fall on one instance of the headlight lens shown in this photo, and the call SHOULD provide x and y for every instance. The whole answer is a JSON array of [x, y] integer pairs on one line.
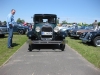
[[56, 29], [38, 29], [90, 35]]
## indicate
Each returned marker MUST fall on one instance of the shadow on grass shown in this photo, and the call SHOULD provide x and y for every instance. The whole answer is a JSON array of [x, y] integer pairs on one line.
[[1, 36], [76, 38], [87, 44], [15, 44]]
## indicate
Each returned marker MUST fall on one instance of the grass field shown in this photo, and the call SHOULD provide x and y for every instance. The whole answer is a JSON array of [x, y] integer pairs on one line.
[[5, 53], [89, 52]]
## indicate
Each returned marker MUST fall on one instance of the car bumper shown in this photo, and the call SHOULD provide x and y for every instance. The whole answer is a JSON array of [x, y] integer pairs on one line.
[[80, 38], [74, 35], [84, 40], [44, 42], [2, 33]]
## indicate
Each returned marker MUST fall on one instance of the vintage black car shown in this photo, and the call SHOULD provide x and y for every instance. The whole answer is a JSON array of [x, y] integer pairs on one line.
[[45, 31], [78, 32], [93, 37], [71, 29]]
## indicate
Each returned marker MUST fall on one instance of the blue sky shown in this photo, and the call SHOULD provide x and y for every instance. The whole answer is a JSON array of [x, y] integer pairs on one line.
[[70, 10]]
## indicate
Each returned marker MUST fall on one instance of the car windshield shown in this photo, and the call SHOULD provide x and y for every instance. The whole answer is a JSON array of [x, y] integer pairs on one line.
[[83, 27], [90, 27], [47, 19], [64, 25]]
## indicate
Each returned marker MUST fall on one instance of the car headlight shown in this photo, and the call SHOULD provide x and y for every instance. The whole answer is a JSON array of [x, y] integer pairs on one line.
[[56, 29], [83, 34], [0, 29], [78, 32], [90, 35], [37, 29]]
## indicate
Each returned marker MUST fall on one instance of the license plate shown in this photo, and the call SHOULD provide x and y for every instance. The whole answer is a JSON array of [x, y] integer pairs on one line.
[[46, 33]]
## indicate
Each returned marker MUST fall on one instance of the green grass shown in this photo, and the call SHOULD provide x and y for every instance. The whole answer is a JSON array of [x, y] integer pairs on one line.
[[89, 52], [5, 53]]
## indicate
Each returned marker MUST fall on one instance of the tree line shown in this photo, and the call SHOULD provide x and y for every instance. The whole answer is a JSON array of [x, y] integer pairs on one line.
[[19, 20]]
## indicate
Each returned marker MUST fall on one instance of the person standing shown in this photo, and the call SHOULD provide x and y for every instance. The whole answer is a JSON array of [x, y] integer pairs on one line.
[[10, 25], [95, 25]]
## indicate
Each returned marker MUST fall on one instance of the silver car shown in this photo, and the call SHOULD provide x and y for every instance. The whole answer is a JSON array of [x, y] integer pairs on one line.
[[3, 30]]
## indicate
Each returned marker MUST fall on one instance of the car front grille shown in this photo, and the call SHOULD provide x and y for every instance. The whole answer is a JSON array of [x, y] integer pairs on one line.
[[46, 29], [74, 32]]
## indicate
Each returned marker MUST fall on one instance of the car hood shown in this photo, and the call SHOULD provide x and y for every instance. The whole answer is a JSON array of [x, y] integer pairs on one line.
[[82, 30]]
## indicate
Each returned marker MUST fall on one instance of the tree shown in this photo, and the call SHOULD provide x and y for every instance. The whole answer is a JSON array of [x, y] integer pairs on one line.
[[64, 22], [20, 21], [0, 23], [5, 22], [58, 20], [98, 23]]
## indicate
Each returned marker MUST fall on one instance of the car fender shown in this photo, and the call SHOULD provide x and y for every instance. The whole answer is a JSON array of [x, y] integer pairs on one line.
[[30, 34], [95, 36], [63, 33]]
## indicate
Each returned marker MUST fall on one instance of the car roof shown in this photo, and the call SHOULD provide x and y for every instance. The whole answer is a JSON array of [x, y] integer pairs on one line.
[[45, 15]]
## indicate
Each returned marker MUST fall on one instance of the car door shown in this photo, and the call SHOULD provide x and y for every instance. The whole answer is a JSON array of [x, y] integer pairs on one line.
[[15, 29]]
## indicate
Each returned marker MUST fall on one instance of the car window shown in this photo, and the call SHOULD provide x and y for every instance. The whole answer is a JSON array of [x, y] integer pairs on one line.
[[83, 27]]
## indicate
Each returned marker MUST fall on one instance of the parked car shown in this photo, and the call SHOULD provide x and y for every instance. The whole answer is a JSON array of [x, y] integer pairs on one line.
[[64, 26], [20, 29], [92, 37], [78, 32], [46, 32], [69, 31], [3, 30]]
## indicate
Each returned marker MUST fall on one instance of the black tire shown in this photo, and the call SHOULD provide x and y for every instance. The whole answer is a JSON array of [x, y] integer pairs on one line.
[[30, 48], [62, 47], [21, 32], [96, 41], [3, 35]]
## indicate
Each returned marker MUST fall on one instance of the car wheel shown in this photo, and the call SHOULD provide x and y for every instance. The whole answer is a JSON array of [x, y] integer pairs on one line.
[[21, 32], [96, 41], [30, 48], [3, 35], [62, 47]]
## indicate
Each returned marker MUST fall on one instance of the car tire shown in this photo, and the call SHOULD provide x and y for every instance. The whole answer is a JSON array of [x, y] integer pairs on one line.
[[21, 32], [62, 47], [3, 35], [96, 41], [30, 48]]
